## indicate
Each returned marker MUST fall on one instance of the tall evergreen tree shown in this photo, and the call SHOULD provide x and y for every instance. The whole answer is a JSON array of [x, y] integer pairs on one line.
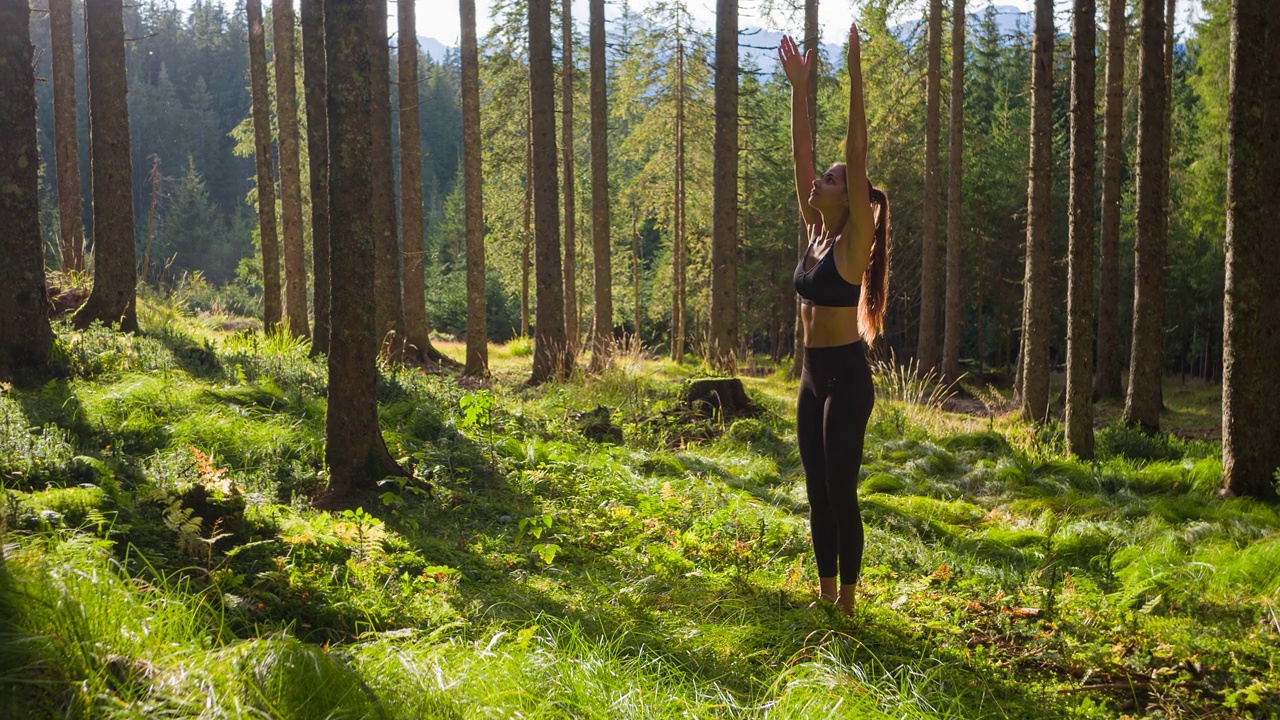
[[315, 86], [1079, 410], [417, 337], [272, 302], [477, 337], [551, 357], [387, 285], [1107, 377], [113, 299], [927, 342], [1035, 314], [354, 449], [295, 273], [1146, 353], [67, 154], [1250, 424], [566, 149], [602, 334], [955, 205], [25, 336], [724, 228]]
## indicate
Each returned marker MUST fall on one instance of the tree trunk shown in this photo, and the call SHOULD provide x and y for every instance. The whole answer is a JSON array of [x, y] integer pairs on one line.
[[802, 236], [601, 260], [417, 336], [354, 449], [1035, 315], [25, 336], [724, 224], [387, 282], [526, 250], [571, 330], [551, 358], [315, 87], [1251, 352], [67, 142], [927, 343], [477, 330], [954, 314], [635, 265], [1079, 411], [1146, 356], [678, 266], [1107, 379], [115, 257], [295, 271], [272, 303]]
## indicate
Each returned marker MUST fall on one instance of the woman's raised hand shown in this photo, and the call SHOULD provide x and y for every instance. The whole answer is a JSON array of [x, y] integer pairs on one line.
[[795, 65]]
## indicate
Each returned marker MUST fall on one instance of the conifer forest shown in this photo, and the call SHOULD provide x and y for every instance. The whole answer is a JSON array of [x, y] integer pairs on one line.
[[456, 359]]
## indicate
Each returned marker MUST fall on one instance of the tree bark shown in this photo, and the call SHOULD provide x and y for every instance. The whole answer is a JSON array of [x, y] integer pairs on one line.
[[295, 271], [526, 249], [1251, 352], [477, 329], [315, 87], [635, 275], [387, 283], [354, 448], [66, 138], [954, 314], [724, 223], [1107, 379], [272, 302], [571, 330], [551, 358], [679, 271], [1079, 410], [927, 343], [600, 217], [1146, 355], [1035, 315], [417, 335], [113, 299], [25, 336]]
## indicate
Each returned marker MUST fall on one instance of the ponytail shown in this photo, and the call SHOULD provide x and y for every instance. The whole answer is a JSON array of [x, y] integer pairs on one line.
[[875, 279]]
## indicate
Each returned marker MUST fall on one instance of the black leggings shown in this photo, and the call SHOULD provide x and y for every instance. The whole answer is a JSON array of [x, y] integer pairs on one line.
[[835, 403]]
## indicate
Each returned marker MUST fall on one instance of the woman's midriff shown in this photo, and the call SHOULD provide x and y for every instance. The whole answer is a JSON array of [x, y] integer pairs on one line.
[[829, 326]]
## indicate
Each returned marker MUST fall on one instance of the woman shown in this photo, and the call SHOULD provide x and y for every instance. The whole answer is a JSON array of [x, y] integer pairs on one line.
[[842, 280]]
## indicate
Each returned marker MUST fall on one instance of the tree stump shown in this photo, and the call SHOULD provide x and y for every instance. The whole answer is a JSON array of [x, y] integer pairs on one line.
[[726, 396]]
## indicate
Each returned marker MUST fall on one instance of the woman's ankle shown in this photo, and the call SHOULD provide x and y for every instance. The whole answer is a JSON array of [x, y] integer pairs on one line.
[[845, 599], [827, 589]]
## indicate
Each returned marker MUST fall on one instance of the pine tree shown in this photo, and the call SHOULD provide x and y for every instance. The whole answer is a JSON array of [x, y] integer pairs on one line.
[[354, 449], [67, 155], [724, 229], [477, 337], [272, 302], [1079, 410], [417, 336], [1146, 354], [295, 273], [1107, 377], [113, 299], [387, 285], [551, 357], [1250, 424], [25, 336], [602, 334], [927, 343], [1035, 318], [315, 87], [955, 206], [567, 153]]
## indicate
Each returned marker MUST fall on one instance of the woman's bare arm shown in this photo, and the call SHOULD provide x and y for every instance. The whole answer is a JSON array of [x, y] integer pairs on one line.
[[797, 70], [853, 258]]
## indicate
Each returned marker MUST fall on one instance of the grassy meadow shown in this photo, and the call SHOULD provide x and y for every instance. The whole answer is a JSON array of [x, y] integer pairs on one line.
[[547, 561]]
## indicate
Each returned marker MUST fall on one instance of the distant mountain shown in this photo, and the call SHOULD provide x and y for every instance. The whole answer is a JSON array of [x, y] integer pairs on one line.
[[760, 46]]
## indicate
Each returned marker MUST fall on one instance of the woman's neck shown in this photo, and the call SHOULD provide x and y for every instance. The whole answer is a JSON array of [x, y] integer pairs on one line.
[[833, 221]]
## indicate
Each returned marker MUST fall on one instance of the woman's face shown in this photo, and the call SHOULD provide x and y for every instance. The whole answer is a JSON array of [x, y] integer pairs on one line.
[[829, 191]]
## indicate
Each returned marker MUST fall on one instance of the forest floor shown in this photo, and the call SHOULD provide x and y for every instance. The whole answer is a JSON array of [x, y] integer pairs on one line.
[[161, 560]]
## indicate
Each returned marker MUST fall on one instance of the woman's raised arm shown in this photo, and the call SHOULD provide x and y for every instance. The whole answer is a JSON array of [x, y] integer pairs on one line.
[[797, 68], [857, 251]]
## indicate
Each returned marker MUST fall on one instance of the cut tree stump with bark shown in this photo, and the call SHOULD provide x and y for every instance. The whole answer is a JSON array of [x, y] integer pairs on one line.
[[727, 396]]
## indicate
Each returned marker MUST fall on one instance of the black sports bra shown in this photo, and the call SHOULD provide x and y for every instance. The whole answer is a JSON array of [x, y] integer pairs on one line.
[[822, 284]]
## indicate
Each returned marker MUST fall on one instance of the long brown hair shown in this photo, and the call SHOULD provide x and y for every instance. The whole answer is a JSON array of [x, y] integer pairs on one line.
[[875, 279]]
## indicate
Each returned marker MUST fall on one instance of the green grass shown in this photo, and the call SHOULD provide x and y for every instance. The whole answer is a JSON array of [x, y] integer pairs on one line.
[[160, 559]]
